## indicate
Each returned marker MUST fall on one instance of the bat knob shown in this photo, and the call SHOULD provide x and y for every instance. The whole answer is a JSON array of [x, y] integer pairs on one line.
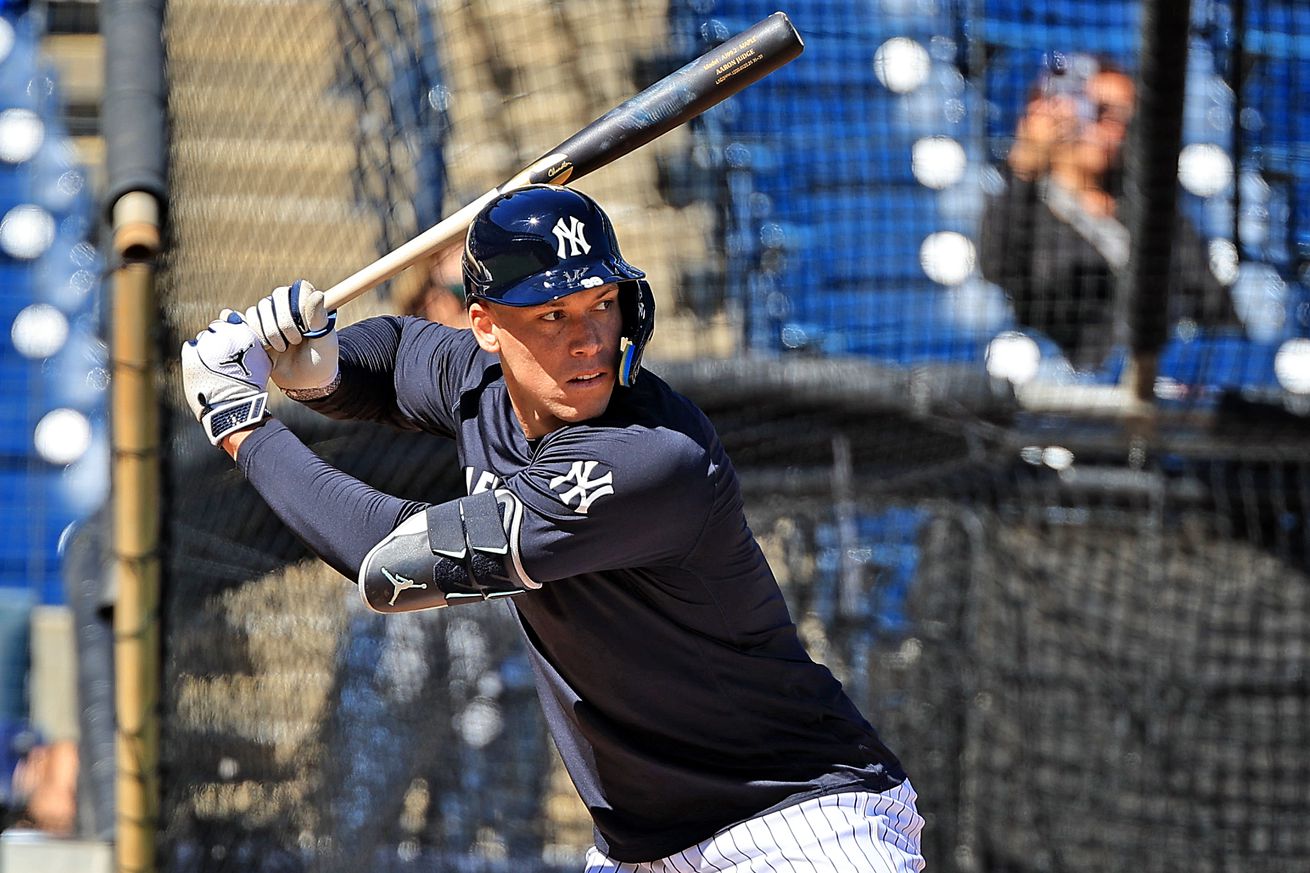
[[325, 329]]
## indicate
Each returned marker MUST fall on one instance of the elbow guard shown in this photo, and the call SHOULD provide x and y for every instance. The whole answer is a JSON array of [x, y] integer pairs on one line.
[[463, 551]]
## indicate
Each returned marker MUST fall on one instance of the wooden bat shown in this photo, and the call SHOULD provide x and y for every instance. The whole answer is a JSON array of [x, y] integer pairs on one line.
[[677, 98]]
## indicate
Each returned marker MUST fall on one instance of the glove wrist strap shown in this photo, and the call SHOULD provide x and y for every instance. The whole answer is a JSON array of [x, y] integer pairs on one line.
[[319, 393], [233, 415]]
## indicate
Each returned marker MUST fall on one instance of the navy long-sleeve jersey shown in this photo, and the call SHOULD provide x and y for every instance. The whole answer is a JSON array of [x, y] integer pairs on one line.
[[669, 669]]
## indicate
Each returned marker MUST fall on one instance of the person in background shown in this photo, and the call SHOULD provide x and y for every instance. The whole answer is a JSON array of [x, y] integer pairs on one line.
[[433, 289], [424, 799], [1054, 237], [43, 789]]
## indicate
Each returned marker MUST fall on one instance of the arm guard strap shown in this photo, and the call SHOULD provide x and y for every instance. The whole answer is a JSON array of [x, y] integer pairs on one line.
[[463, 551]]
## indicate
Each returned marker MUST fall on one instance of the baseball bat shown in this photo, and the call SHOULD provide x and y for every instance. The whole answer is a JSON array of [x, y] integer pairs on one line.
[[672, 101]]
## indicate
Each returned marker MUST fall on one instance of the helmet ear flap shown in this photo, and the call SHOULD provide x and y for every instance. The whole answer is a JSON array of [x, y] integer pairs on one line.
[[637, 305]]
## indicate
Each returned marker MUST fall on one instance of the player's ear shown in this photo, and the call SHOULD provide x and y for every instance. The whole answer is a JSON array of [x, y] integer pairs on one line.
[[483, 322]]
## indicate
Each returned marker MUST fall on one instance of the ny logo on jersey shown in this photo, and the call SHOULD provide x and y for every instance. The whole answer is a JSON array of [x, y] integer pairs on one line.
[[586, 489], [572, 234]]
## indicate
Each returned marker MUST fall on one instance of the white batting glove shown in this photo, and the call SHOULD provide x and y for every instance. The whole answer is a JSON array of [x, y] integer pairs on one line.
[[299, 332], [224, 371]]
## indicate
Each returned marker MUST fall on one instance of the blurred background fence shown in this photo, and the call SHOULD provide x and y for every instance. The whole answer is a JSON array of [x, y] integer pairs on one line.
[[893, 273]]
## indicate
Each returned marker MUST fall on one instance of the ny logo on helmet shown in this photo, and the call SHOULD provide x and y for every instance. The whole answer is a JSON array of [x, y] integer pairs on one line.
[[572, 234]]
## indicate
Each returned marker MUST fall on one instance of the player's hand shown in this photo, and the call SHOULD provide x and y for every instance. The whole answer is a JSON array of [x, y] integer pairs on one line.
[[224, 371], [294, 325]]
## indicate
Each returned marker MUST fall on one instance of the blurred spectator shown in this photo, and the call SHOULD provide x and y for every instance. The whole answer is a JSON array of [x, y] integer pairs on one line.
[[90, 596], [434, 288], [461, 680], [1054, 237], [16, 739], [45, 788], [39, 790]]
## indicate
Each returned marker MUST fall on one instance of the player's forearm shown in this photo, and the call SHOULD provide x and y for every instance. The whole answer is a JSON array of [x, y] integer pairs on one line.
[[336, 515], [366, 391]]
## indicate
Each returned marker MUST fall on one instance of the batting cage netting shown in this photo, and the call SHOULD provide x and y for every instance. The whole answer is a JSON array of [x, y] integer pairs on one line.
[[1016, 382]]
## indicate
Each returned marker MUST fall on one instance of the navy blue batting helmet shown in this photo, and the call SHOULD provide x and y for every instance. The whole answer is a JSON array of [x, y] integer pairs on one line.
[[539, 243]]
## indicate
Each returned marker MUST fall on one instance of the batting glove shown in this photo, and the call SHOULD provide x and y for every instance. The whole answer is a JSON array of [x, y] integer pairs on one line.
[[294, 325], [224, 371]]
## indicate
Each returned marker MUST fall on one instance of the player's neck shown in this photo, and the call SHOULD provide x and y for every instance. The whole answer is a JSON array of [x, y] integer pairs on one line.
[[535, 422]]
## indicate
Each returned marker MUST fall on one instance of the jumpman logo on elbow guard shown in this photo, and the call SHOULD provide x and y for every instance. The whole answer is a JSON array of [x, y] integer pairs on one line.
[[400, 583]]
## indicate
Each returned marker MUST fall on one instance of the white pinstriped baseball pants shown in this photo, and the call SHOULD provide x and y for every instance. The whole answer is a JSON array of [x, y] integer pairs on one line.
[[854, 832]]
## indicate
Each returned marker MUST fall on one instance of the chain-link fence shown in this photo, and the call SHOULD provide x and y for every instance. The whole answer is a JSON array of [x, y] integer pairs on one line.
[[879, 271]]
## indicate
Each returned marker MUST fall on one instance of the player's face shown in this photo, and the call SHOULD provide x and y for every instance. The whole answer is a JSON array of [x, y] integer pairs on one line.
[[560, 359]]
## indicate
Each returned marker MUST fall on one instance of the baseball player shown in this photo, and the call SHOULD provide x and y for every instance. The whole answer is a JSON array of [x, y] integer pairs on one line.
[[602, 507]]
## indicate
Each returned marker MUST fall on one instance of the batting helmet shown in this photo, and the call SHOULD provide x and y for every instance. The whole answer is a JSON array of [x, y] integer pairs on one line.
[[539, 243]]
